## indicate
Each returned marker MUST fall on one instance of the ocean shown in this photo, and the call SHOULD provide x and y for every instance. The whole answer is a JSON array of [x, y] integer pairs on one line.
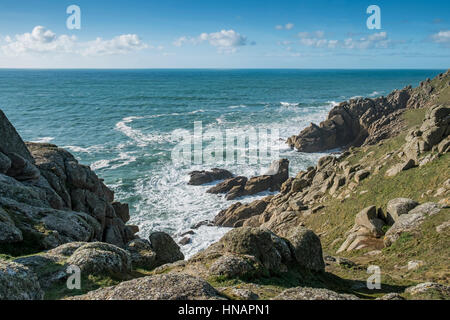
[[126, 123]]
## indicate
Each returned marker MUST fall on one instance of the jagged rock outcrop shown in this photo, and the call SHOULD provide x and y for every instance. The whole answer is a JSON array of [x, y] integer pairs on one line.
[[201, 177], [434, 129], [271, 180], [367, 121], [159, 287], [165, 248], [47, 198], [350, 123], [368, 228], [254, 252], [410, 221]]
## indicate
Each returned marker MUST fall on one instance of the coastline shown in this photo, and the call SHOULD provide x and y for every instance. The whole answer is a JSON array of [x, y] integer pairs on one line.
[[251, 251]]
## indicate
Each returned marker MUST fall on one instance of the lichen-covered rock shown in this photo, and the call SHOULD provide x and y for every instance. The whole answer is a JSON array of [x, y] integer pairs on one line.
[[410, 222], [142, 255], [101, 258], [165, 248], [306, 248], [66, 250], [9, 233], [234, 266], [429, 291], [391, 296], [17, 282], [258, 243], [305, 293], [397, 207], [159, 287]]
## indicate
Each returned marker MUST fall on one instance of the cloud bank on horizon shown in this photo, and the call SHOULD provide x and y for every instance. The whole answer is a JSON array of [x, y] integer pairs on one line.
[[285, 34]]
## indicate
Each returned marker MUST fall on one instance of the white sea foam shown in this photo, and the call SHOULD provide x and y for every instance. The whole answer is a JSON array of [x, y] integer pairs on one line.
[[43, 140], [166, 202]]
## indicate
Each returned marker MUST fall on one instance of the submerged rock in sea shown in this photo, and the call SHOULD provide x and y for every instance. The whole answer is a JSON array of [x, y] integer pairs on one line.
[[271, 180], [201, 177]]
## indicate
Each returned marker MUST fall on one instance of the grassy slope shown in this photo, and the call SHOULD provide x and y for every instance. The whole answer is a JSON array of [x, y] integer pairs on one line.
[[427, 245]]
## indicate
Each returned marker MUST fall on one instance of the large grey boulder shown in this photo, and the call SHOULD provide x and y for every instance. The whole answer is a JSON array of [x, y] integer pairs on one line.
[[159, 287], [410, 222], [305, 293], [165, 248], [397, 207], [99, 258], [307, 249], [17, 282], [233, 266], [262, 244], [142, 255]]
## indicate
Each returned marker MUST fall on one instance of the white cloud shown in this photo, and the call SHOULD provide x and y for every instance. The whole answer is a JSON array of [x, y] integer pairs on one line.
[[287, 26], [226, 41], [118, 45], [377, 40], [42, 41], [442, 37], [316, 39]]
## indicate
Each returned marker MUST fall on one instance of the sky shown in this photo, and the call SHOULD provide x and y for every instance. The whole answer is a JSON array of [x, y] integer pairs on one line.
[[224, 34]]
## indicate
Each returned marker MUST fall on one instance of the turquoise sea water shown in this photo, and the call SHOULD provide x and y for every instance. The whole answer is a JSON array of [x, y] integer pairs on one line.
[[122, 124]]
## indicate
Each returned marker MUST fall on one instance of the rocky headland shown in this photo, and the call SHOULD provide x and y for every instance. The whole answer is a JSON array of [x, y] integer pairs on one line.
[[384, 201]]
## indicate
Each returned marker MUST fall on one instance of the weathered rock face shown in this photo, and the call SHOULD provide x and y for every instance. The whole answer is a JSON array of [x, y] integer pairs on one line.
[[272, 180], [142, 255], [235, 215], [201, 177], [367, 121], [17, 282], [160, 287], [350, 123], [254, 252], [47, 198], [366, 231], [165, 248], [306, 248], [434, 129], [399, 206], [99, 258], [10, 141], [305, 293], [410, 221]]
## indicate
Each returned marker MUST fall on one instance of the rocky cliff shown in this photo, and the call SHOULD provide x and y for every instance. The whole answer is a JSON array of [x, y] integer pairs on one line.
[[367, 121], [384, 203], [47, 198]]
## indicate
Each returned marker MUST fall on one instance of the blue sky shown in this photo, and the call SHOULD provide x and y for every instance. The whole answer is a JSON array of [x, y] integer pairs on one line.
[[225, 34]]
